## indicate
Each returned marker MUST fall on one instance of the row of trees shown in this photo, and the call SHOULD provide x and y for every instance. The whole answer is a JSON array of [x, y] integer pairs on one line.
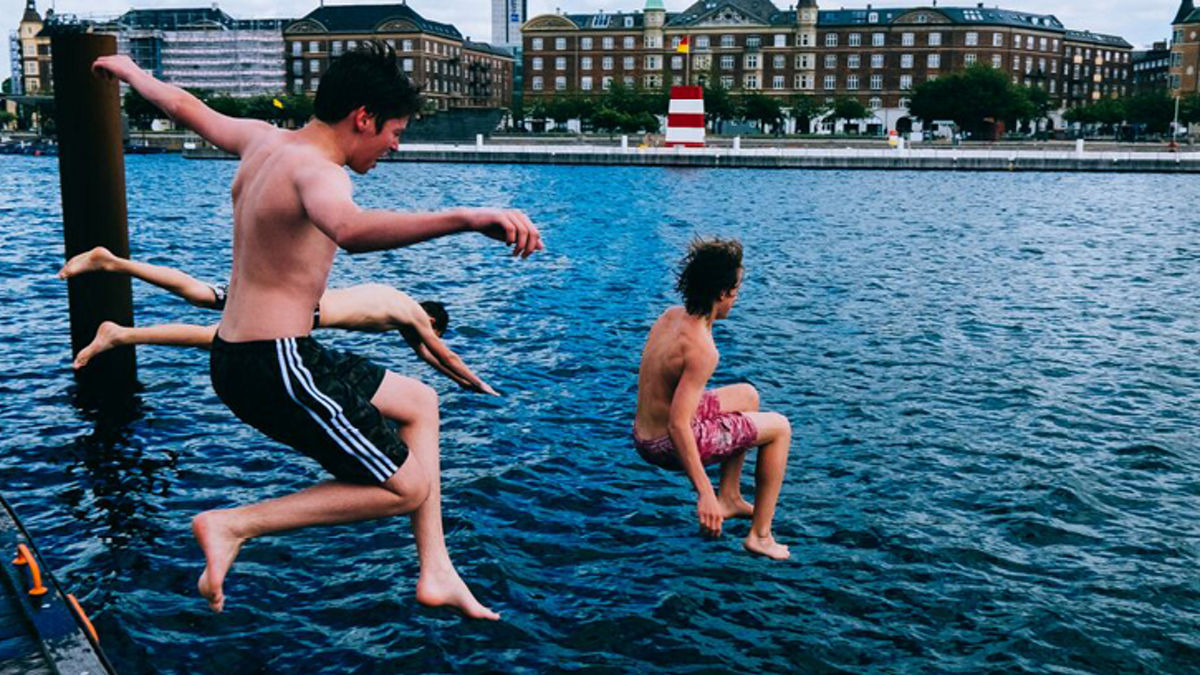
[[1153, 111], [631, 109], [283, 109]]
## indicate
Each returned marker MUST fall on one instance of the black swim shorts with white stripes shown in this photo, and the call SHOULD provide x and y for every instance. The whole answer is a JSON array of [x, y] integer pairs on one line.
[[313, 399]]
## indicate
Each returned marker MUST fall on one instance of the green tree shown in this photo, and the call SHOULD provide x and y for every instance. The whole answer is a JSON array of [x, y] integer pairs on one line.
[[762, 109], [1154, 109], [141, 113], [719, 105], [6, 86], [1189, 109], [227, 105], [607, 119], [804, 109], [974, 99], [849, 109], [6, 119]]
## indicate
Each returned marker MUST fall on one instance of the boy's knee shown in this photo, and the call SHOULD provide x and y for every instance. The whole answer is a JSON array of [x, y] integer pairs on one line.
[[426, 397], [751, 395]]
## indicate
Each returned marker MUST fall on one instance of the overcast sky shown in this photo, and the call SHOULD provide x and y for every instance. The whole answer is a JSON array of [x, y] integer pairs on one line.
[[1140, 22]]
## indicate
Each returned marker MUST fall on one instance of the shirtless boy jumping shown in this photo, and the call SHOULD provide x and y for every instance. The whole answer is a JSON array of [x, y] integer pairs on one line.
[[682, 426], [293, 209]]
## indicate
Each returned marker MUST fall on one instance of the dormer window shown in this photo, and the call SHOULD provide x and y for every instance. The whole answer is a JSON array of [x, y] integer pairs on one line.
[[873, 17], [629, 22]]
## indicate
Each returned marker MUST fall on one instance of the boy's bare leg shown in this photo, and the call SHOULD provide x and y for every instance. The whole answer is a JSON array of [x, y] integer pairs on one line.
[[111, 335], [415, 406], [222, 532], [170, 279], [735, 398], [774, 439]]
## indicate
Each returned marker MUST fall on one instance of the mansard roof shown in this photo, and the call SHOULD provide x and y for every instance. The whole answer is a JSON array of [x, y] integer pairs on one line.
[[369, 19], [981, 16], [1186, 9], [757, 11], [1098, 39], [606, 21], [194, 18]]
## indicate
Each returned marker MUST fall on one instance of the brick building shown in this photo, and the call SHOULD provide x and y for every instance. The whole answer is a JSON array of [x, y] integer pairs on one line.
[[1184, 73], [454, 72], [875, 55], [1150, 68]]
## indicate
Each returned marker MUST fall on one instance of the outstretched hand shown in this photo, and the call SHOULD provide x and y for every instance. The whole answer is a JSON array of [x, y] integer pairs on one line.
[[509, 226], [709, 512], [118, 65]]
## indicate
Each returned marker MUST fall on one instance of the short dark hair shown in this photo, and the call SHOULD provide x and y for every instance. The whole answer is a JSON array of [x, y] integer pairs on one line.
[[367, 77], [437, 312], [708, 271]]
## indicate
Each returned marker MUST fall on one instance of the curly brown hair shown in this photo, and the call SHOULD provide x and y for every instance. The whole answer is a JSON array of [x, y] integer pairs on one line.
[[708, 271]]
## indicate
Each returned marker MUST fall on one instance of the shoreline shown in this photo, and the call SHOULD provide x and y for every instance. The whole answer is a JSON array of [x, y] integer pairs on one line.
[[955, 159]]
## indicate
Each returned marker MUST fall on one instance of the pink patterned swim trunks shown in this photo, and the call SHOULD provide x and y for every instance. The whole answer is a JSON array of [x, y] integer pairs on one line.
[[719, 435]]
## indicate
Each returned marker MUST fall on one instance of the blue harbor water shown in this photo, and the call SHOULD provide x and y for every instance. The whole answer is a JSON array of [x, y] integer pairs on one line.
[[994, 382]]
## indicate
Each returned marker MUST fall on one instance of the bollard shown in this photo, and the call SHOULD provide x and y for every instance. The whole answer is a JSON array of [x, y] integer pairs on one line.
[[478, 140], [91, 167], [737, 143], [624, 142], [1079, 146]]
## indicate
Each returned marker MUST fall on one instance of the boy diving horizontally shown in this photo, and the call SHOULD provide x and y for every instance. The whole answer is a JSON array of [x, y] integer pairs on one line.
[[680, 425], [373, 308]]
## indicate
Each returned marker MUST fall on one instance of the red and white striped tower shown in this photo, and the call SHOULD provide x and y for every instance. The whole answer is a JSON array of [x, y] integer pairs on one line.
[[685, 117]]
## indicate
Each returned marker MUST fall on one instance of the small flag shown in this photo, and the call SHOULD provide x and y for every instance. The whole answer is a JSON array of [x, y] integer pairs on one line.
[[277, 103], [683, 45]]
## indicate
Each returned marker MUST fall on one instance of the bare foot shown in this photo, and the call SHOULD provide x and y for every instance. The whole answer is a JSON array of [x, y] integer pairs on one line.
[[736, 507], [447, 589], [220, 546], [107, 336], [766, 546], [89, 261]]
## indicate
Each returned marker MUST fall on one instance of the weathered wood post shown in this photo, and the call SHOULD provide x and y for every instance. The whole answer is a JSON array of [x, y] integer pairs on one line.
[[91, 166]]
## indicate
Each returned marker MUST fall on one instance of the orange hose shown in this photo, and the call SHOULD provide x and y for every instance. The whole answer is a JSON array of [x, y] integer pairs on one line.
[[34, 571], [20, 559], [87, 623]]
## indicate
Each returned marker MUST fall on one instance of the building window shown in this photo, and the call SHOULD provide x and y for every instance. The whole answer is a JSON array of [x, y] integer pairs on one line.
[[297, 49], [804, 82], [408, 44], [875, 103], [779, 61], [852, 82], [997, 61], [560, 43], [537, 84], [1016, 62], [972, 39], [805, 61], [629, 22], [298, 87], [727, 62], [934, 61], [297, 67], [1016, 41], [607, 42], [407, 65], [1029, 42], [314, 66], [906, 60], [853, 61], [314, 46], [537, 63], [585, 63], [781, 39], [627, 63], [908, 39], [727, 41], [877, 60], [560, 63], [606, 63], [970, 58], [876, 82], [877, 39], [535, 44], [997, 39], [906, 82], [830, 82], [751, 61], [727, 82], [676, 63], [701, 42], [777, 82], [606, 82], [806, 39], [1042, 44], [935, 39], [560, 83], [752, 82], [585, 83], [628, 42], [753, 42], [854, 39], [830, 61], [831, 39], [585, 43], [653, 62]]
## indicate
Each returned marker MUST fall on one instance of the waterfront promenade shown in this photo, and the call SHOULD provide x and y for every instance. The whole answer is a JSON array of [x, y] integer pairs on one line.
[[922, 159]]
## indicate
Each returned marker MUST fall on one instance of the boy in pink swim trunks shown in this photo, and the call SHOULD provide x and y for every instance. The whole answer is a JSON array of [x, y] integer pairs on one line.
[[682, 426]]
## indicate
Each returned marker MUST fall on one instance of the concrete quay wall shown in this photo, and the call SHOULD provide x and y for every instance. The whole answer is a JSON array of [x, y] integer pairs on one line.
[[780, 158]]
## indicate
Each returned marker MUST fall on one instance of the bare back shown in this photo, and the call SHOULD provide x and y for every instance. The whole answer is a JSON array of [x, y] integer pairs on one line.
[[674, 339], [281, 261]]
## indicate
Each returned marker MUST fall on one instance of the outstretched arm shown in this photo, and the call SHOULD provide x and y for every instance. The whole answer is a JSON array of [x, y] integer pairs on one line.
[[688, 393], [433, 351], [325, 191], [230, 134]]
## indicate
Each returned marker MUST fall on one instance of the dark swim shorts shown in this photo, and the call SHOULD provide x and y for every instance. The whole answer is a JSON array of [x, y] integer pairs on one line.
[[315, 400], [719, 436]]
